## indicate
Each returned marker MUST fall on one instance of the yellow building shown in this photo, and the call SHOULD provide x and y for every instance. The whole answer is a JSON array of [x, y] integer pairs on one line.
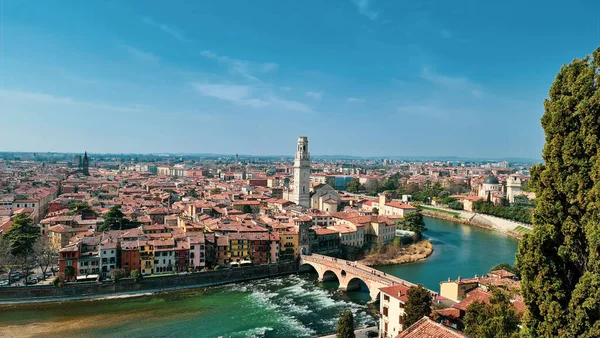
[[457, 289], [289, 244], [239, 247], [60, 235], [146, 258]]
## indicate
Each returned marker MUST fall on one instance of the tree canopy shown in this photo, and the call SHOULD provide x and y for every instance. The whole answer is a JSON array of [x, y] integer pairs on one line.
[[495, 320], [22, 235], [345, 326], [114, 219], [418, 305], [414, 222], [560, 260], [353, 186], [80, 208]]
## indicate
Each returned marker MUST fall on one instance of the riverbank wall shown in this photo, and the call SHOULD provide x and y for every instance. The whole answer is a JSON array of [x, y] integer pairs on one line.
[[148, 285], [477, 220]]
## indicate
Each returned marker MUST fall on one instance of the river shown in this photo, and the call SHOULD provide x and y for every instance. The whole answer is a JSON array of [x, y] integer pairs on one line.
[[291, 306]]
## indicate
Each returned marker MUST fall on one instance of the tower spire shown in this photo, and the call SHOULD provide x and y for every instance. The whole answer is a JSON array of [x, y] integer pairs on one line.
[[302, 173]]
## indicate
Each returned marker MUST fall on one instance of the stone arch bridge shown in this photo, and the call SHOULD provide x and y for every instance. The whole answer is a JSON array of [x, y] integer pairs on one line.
[[350, 274]]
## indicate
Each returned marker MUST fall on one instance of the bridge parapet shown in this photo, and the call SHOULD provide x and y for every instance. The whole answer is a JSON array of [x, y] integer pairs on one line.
[[372, 277]]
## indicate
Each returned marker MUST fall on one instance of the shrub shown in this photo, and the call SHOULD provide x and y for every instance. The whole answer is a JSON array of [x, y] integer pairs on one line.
[[117, 274], [136, 276]]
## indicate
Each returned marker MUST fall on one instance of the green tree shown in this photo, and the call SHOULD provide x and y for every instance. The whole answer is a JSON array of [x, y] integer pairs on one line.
[[414, 222], [69, 272], [418, 304], [495, 320], [21, 237], [114, 219], [80, 208], [375, 211], [353, 186], [345, 325], [456, 205], [193, 193], [246, 209], [136, 275], [559, 261]]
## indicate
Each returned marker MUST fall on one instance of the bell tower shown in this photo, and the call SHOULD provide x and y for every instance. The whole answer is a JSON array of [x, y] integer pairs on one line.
[[302, 173], [85, 165]]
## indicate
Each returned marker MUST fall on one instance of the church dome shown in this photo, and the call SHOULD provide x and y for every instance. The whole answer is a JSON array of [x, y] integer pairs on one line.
[[491, 180]]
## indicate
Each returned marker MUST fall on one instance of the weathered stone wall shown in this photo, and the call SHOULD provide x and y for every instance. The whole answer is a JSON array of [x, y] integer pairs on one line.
[[148, 284]]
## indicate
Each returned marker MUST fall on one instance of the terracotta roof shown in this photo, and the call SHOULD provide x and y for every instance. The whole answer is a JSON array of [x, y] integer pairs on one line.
[[399, 205], [427, 328], [449, 312], [477, 295], [399, 292]]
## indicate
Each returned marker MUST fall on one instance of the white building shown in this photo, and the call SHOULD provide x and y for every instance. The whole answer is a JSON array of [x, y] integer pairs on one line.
[[164, 256], [490, 185], [513, 188], [302, 173], [392, 300], [107, 252]]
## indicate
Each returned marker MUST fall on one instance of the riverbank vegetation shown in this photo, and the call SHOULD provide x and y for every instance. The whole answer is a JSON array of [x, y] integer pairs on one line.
[[517, 213], [396, 253], [453, 213]]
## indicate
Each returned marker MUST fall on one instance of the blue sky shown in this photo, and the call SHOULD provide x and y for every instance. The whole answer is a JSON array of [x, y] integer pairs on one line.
[[359, 77]]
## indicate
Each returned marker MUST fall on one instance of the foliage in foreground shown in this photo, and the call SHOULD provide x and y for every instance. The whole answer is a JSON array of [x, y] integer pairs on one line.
[[560, 260], [495, 320], [418, 305], [345, 325]]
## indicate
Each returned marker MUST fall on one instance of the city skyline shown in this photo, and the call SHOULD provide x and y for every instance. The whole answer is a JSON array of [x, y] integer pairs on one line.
[[360, 78]]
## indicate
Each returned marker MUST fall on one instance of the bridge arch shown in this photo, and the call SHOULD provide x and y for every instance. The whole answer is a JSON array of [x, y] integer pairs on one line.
[[350, 274], [329, 276]]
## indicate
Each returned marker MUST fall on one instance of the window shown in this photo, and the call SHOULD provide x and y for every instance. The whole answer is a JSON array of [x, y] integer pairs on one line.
[[386, 298], [385, 311]]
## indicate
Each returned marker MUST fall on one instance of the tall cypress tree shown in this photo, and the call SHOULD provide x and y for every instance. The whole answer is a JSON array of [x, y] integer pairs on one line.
[[345, 326], [560, 260]]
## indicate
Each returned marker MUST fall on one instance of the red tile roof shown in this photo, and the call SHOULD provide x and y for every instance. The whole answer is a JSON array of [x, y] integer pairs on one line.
[[427, 328]]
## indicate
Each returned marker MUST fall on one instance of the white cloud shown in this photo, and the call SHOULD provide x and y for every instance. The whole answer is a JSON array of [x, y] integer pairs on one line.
[[140, 55], [446, 34], [270, 67], [354, 99], [27, 97], [451, 82], [243, 68], [364, 9], [174, 32], [315, 95], [243, 95]]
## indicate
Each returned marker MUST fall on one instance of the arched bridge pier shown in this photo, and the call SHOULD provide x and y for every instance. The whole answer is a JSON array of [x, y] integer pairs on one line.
[[350, 274]]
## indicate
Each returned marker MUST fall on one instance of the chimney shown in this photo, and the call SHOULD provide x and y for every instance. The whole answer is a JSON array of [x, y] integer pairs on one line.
[[459, 278]]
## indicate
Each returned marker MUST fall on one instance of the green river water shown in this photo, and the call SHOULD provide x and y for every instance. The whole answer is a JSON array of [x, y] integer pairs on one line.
[[291, 306]]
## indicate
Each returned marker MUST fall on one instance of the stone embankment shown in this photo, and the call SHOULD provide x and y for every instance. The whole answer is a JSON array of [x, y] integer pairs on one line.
[[511, 228], [393, 255], [148, 285]]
